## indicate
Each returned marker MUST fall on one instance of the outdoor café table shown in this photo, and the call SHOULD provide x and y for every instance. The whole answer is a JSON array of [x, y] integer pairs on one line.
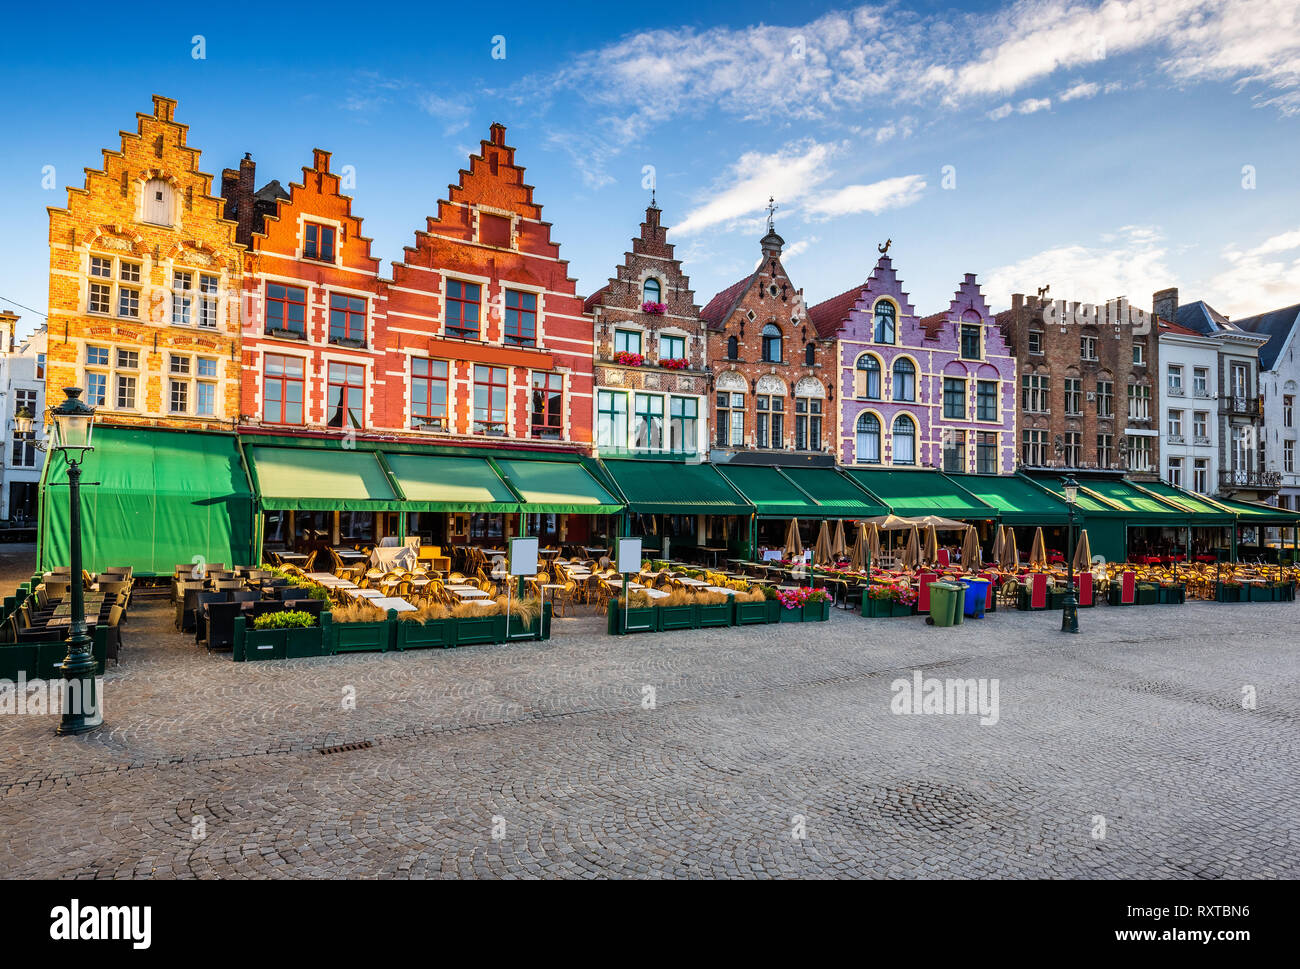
[[656, 593], [591, 549], [293, 556], [618, 584], [470, 593], [400, 605], [694, 583], [349, 553], [364, 593], [718, 588], [67, 620], [393, 556]]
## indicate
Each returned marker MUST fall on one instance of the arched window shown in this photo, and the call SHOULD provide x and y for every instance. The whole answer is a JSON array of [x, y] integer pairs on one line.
[[809, 355], [904, 440], [733, 348], [158, 201], [866, 381], [771, 343], [884, 328], [904, 379], [868, 439], [650, 291]]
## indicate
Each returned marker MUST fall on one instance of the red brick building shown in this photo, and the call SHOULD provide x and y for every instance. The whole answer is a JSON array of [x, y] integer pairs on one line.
[[773, 374]]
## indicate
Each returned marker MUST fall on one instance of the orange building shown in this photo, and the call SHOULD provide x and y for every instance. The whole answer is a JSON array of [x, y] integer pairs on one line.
[[145, 275]]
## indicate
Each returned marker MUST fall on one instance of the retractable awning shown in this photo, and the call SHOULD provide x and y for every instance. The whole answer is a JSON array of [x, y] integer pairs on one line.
[[1013, 499], [910, 494], [557, 487], [321, 479], [448, 483], [837, 495], [152, 500], [672, 488], [1200, 511], [772, 494]]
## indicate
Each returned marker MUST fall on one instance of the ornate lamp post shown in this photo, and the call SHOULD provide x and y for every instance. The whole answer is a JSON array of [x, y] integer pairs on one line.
[[1070, 608], [73, 422]]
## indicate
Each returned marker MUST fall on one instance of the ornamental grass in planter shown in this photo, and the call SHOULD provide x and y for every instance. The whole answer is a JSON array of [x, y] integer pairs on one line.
[[360, 626]]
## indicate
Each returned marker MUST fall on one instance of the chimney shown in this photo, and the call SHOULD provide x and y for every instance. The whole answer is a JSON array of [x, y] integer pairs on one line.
[[320, 160], [237, 190], [164, 109], [9, 328], [1165, 304], [498, 136]]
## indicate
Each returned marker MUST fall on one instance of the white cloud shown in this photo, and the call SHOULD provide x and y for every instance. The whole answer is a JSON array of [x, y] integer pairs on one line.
[[1084, 89], [890, 193], [1263, 277], [788, 175], [1000, 112], [1033, 105]]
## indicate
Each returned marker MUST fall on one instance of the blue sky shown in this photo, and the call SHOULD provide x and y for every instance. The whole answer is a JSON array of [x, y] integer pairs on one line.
[[1099, 148]]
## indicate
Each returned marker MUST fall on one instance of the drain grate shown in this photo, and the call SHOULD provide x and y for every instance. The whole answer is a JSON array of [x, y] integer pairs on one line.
[[344, 748]]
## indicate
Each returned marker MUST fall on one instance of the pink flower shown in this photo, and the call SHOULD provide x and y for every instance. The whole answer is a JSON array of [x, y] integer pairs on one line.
[[658, 309]]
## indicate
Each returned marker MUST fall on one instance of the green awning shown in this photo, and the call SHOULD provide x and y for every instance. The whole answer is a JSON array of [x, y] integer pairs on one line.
[[1087, 504], [913, 493], [1013, 499], [1200, 511], [672, 488], [152, 500], [772, 494], [321, 479], [558, 487], [444, 483], [835, 493], [1251, 513], [1140, 506]]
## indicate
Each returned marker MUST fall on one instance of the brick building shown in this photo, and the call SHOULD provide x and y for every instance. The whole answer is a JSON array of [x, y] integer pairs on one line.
[[650, 349], [914, 393], [1089, 387], [773, 374], [145, 273]]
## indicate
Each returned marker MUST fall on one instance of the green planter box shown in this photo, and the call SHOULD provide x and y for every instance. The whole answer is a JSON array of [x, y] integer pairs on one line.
[[1022, 601], [897, 611], [676, 617], [643, 620], [821, 611], [434, 634], [753, 613], [1055, 600], [1173, 595], [722, 614], [44, 661], [1148, 595], [354, 637], [538, 630], [877, 608], [1286, 592], [484, 629], [253, 644], [1227, 593]]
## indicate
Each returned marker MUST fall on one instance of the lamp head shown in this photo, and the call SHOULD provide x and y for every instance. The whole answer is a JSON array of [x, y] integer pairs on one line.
[[74, 420]]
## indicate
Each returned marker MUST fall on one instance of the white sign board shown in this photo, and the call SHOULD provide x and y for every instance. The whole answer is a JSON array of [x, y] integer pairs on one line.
[[629, 555], [523, 556]]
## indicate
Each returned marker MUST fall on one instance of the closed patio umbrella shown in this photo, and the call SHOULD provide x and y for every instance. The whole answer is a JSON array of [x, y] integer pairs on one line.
[[998, 539], [873, 541], [1082, 552], [858, 552], [793, 546], [822, 547], [1038, 551], [931, 553], [939, 522], [838, 548], [1010, 554], [970, 551], [912, 553]]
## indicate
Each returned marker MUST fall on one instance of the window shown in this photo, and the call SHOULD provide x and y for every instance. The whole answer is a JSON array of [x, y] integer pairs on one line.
[[1176, 423], [770, 421], [346, 399], [1033, 448], [179, 402], [904, 380], [1176, 472], [1105, 450], [428, 393], [885, 317], [1139, 355], [954, 451], [205, 399], [207, 301], [283, 382], [866, 379], [128, 299], [986, 400], [733, 348], [771, 343], [1139, 402], [868, 433], [462, 309], [1033, 393], [807, 424], [611, 419], [731, 420], [319, 242], [1105, 398], [1139, 453], [1201, 425], [627, 341], [904, 436], [180, 365], [954, 398], [548, 406], [683, 416], [1201, 475], [125, 391], [490, 389], [1073, 449], [521, 319], [182, 298], [810, 355], [1087, 348], [128, 359], [101, 267], [1035, 341], [1288, 456], [286, 308], [96, 382], [970, 341], [99, 298], [1073, 395], [1288, 410], [1176, 380], [650, 291], [347, 318], [1201, 381], [24, 450], [1240, 384], [986, 452], [648, 422], [158, 201], [672, 347]]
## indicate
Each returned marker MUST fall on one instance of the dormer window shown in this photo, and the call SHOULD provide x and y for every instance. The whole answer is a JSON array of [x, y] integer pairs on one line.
[[158, 201], [318, 242]]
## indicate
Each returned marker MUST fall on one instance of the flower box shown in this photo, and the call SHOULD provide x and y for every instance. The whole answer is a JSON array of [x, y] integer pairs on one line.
[[676, 617], [897, 611], [636, 620], [44, 661], [1148, 595], [752, 613], [653, 308], [349, 637], [718, 614], [1286, 592], [433, 634], [1223, 592], [1173, 595], [1259, 592]]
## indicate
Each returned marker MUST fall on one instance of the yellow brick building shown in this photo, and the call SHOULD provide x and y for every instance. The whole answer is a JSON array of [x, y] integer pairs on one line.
[[145, 282]]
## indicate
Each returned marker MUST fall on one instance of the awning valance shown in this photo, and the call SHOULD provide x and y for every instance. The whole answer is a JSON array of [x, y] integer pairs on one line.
[[836, 494], [321, 479], [557, 487], [914, 493], [672, 488], [1013, 500], [449, 483]]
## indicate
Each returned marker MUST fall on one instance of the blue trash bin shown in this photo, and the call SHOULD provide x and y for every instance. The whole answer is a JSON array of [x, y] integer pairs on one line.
[[977, 591]]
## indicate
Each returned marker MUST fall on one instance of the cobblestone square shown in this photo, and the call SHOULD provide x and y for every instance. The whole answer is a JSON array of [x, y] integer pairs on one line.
[[765, 753]]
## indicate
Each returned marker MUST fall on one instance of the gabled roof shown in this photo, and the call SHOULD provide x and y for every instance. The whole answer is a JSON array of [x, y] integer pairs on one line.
[[271, 191], [594, 299], [1174, 329], [721, 306], [1277, 326], [1201, 317], [827, 315]]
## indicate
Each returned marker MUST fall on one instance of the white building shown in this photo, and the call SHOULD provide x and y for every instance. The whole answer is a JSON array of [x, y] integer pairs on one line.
[[1189, 420], [1279, 377], [22, 386]]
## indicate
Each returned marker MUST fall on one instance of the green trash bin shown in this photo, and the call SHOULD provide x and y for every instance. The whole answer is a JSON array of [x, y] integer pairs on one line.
[[945, 603]]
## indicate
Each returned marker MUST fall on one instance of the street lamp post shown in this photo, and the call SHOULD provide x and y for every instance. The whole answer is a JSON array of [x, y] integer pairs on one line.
[[73, 422], [1070, 608]]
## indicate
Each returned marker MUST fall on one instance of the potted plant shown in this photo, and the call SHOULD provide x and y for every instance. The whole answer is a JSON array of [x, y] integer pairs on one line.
[[677, 611], [629, 359], [653, 308]]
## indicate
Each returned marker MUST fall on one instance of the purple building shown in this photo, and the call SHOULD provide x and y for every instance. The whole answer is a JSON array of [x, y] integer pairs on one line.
[[915, 393]]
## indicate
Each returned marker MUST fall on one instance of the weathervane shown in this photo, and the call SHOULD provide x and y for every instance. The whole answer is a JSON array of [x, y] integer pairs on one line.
[[1042, 290], [771, 213], [884, 250]]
